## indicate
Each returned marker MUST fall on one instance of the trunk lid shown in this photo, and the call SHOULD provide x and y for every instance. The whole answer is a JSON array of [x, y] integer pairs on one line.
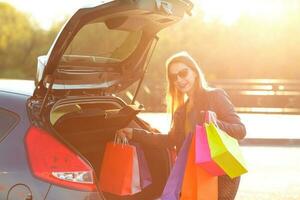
[[105, 47]]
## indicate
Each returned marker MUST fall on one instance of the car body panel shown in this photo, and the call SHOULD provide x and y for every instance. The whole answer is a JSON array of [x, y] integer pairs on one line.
[[15, 169], [16, 178], [65, 193]]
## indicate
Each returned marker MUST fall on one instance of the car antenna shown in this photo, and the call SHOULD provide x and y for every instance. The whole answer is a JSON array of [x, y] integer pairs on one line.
[[145, 70]]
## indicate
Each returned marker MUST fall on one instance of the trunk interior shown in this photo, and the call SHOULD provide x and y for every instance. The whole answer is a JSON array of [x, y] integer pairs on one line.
[[88, 124]]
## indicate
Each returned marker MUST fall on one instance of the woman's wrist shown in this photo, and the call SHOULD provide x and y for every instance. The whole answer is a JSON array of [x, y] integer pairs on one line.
[[129, 134]]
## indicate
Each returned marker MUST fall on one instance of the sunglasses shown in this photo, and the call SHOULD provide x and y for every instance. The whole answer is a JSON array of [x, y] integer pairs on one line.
[[182, 74]]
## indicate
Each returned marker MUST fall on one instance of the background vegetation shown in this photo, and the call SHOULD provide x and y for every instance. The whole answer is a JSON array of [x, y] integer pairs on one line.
[[248, 48], [21, 41]]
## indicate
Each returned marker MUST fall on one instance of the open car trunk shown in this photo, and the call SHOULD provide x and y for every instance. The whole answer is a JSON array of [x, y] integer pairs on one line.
[[87, 124], [102, 49]]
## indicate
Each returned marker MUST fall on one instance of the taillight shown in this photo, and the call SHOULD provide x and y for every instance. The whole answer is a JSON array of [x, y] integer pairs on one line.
[[53, 162]]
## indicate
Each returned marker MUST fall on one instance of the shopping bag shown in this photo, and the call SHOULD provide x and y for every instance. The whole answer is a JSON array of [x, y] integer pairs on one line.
[[136, 178], [203, 155], [173, 186], [119, 170], [145, 175], [198, 184], [225, 151]]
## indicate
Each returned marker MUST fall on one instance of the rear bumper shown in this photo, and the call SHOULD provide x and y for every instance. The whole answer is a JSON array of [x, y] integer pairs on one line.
[[56, 193]]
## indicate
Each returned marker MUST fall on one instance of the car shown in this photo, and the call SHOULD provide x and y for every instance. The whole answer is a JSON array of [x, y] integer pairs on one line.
[[53, 130]]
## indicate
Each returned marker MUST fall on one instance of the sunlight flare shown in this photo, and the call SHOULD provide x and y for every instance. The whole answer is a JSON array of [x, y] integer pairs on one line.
[[229, 11]]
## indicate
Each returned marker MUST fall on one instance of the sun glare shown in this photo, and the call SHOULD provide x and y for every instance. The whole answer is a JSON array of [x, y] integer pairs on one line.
[[226, 11], [46, 12], [229, 11]]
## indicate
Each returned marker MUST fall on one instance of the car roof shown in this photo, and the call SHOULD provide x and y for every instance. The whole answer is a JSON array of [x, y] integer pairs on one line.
[[24, 87]]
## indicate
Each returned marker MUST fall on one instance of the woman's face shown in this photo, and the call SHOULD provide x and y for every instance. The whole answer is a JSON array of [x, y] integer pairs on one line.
[[182, 77]]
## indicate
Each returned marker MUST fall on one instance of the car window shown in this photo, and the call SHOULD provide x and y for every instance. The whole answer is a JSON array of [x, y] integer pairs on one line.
[[97, 43], [7, 121]]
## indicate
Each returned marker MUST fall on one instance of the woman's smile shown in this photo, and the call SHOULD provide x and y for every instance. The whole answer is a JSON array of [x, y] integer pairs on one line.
[[183, 85], [183, 77]]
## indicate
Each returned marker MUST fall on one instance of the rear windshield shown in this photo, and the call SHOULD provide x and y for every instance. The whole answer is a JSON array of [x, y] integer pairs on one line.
[[96, 43]]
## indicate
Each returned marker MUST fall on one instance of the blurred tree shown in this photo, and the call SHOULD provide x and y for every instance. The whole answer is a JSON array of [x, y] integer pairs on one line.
[[248, 48], [15, 33], [21, 41]]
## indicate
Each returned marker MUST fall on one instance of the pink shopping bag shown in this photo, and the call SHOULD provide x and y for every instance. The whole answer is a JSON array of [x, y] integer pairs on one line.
[[203, 154]]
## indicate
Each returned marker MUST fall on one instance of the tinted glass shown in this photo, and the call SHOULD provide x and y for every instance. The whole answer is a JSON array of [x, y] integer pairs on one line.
[[7, 121], [96, 43]]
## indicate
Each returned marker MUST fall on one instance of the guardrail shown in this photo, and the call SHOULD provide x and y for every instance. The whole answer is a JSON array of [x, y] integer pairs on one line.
[[272, 142], [280, 96]]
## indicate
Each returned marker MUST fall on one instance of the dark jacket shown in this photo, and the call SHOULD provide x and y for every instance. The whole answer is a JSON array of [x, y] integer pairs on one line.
[[215, 100]]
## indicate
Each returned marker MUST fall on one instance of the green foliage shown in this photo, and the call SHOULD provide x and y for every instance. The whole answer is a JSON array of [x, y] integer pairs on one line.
[[21, 41], [249, 48]]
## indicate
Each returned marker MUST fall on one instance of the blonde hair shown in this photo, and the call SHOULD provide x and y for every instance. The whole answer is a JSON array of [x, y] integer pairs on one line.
[[175, 98]]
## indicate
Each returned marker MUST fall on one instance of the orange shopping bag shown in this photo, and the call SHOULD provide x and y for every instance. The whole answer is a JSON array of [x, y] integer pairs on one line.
[[198, 184], [116, 174]]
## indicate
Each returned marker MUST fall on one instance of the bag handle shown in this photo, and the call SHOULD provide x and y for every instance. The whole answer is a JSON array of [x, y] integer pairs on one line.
[[211, 117], [120, 140]]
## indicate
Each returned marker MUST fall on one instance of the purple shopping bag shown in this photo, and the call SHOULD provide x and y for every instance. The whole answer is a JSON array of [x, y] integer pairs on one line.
[[174, 182], [145, 175]]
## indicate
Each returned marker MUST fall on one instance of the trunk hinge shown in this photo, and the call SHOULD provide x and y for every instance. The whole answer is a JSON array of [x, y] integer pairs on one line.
[[51, 80], [145, 69]]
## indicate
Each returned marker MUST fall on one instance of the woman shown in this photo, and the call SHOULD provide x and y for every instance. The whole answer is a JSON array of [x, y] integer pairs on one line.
[[189, 97]]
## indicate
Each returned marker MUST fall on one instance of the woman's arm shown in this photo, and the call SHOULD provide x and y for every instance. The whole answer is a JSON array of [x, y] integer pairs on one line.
[[156, 139], [152, 137], [228, 120]]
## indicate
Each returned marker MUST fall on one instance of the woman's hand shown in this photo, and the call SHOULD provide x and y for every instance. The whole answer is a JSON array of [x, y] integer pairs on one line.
[[211, 116], [125, 133]]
